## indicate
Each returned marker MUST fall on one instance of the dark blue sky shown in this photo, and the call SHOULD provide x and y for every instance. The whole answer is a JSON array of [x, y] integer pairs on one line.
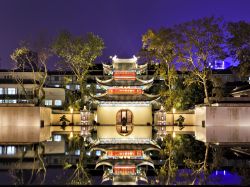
[[120, 23]]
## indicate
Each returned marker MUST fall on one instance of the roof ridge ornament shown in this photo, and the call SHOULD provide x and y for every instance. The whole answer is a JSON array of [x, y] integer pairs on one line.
[[128, 60]]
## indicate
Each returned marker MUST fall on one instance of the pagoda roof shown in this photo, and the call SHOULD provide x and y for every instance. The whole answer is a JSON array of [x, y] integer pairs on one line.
[[118, 161], [142, 67], [105, 145], [128, 64], [136, 82], [110, 67], [141, 97], [124, 60], [107, 68]]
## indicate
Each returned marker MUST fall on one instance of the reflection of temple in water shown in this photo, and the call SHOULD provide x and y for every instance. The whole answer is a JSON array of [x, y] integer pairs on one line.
[[121, 129], [124, 113]]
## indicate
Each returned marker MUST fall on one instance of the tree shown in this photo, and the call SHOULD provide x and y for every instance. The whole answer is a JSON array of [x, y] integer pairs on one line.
[[238, 41], [199, 168], [22, 176], [160, 47], [78, 55], [80, 175], [202, 43], [32, 58], [185, 151], [189, 95]]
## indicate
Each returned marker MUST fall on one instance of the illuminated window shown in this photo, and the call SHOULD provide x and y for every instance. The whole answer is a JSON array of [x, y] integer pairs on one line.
[[77, 152], [88, 153], [23, 101], [1, 101], [57, 138], [8, 76], [11, 91], [68, 87], [1, 150], [77, 87], [57, 85], [11, 101], [1, 91], [58, 102], [98, 153], [11, 150], [48, 102]]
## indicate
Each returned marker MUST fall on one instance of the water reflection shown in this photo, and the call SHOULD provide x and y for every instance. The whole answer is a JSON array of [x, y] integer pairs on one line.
[[217, 177], [59, 176], [224, 178]]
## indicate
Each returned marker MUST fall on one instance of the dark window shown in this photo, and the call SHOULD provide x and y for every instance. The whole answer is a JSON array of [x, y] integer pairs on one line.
[[42, 123], [56, 78], [124, 114], [203, 124], [55, 161]]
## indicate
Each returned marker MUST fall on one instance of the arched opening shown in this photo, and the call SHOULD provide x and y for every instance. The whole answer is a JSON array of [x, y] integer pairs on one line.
[[124, 122]]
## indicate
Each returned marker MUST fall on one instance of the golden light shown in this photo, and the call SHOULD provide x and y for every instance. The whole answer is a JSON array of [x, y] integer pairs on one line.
[[174, 110], [81, 132], [174, 135], [71, 110], [71, 135]]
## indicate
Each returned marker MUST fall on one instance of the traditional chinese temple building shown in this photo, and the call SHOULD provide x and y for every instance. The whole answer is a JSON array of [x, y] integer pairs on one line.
[[125, 115]]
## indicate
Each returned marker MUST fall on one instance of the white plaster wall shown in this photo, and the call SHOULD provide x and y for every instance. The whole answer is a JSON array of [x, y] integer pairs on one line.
[[228, 124], [141, 115], [45, 115], [29, 86], [224, 124], [55, 118], [68, 129], [55, 147], [189, 118], [185, 130], [55, 94], [200, 115], [110, 132], [23, 75], [21, 124]]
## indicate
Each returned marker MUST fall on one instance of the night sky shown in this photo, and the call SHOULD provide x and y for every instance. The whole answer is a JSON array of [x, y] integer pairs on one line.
[[120, 23]]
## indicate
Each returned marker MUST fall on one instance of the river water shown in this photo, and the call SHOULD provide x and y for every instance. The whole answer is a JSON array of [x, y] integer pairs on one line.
[[57, 176]]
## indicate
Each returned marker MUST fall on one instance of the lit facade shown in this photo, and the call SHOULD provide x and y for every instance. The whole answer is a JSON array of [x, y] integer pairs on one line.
[[122, 112], [124, 135]]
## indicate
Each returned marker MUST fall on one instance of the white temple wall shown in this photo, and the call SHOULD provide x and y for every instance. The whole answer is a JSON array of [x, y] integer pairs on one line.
[[111, 132], [188, 118], [55, 94], [22, 124], [55, 118], [200, 115], [228, 124], [141, 114], [45, 115]]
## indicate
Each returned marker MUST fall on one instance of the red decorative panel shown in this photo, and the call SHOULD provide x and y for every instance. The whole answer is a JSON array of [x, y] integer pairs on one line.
[[125, 91], [124, 153], [125, 169], [124, 75]]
